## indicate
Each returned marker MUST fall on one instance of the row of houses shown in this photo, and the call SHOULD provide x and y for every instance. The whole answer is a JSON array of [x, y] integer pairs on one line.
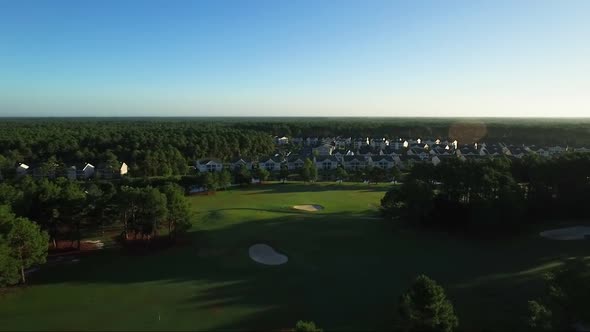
[[332, 145], [416, 152], [276, 163], [78, 171], [357, 143]]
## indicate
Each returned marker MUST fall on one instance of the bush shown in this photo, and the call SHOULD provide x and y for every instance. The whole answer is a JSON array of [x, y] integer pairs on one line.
[[425, 307], [303, 326]]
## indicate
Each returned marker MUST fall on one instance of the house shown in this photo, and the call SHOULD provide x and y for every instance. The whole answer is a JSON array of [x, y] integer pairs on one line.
[[324, 150], [419, 152], [297, 140], [391, 151], [282, 140], [71, 173], [295, 162], [22, 169], [517, 151], [271, 164], [554, 150], [80, 171], [384, 162], [409, 161], [582, 149], [354, 162], [238, 163], [87, 171], [342, 143], [360, 142], [109, 171], [468, 150], [209, 165], [536, 150], [326, 163], [380, 143], [311, 141]]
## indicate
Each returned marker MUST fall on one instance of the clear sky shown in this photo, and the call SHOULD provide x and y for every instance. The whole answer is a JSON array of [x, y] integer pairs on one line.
[[295, 58]]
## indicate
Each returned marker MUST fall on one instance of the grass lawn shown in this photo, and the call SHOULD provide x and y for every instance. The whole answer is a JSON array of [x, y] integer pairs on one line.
[[346, 270]]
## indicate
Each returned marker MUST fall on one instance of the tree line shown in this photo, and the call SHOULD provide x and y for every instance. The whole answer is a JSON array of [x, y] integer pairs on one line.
[[37, 214], [514, 131], [493, 192], [150, 148]]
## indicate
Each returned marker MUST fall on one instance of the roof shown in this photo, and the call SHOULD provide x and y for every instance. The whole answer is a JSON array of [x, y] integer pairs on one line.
[[383, 158], [209, 161], [238, 160], [326, 158], [353, 158]]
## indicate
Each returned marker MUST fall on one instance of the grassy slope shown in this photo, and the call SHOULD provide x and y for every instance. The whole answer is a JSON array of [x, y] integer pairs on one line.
[[345, 271]]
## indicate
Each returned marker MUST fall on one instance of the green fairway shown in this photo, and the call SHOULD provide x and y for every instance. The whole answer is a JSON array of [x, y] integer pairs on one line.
[[346, 270]]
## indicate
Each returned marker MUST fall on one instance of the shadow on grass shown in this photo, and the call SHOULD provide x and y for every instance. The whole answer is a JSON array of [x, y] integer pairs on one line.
[[344, 273], [291, 187]]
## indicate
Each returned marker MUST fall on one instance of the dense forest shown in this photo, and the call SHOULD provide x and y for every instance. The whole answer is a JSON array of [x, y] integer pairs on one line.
[[573, 132], [150, 148], [167, 146]]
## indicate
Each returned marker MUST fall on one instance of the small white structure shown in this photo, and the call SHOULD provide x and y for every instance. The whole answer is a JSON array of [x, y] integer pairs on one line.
[[282, 140], [22, 169], [123, 169]]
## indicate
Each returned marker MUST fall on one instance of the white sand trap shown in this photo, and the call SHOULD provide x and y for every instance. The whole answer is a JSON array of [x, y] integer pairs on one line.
[[568, 233], [265, 254], [308, 207]]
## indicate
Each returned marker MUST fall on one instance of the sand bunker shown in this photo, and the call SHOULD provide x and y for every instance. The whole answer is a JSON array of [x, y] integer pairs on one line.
[[265, 254], [308, 208], [569, 233]]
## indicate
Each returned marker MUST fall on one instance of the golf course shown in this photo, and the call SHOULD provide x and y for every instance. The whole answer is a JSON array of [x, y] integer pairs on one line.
[[338, 264]]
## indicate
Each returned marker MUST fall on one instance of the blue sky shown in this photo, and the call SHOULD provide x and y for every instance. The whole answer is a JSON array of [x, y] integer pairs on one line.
[[294, 58]]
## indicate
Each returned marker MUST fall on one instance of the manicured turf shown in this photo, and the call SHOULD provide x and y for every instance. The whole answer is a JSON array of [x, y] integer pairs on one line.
[[346, 270]]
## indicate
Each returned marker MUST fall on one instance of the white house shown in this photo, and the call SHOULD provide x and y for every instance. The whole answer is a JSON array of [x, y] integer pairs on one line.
[[237, 164], [326, 163], [270, 164], [295, 162], [85, 171], [22, 169], [123, 169], [354, 162], [385, 162], [209, 165], [282, 140]]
